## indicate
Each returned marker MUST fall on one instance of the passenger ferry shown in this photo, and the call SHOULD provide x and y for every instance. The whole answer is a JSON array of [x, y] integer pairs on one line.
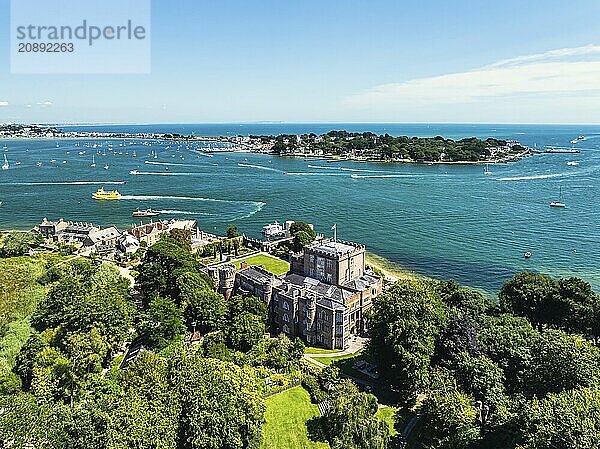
[[102, 194]]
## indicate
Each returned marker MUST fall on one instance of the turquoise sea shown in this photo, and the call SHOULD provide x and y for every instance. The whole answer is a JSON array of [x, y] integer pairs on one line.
[[443, 221]]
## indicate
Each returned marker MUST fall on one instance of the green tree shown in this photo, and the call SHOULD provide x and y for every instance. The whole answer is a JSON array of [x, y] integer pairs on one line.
[[300, 226], [448, 421], [232, 232], [350, 421], [404, 325], [221, 405], [567, 420], [162, 322], [206, 308], [301, 239], [560, 361], [534, 296]]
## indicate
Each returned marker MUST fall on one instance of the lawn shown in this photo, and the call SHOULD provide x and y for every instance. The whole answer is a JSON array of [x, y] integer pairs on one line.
[[330, 360], [314, 350], [286, 417], [269, 263]]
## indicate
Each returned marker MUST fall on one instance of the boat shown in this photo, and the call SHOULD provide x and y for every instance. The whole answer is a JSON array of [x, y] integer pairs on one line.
[[527, 255], [572, 163], [6, 165], [93, 164], [577, 139], [39, 164], [145, 213], [559, 203], [133, 172], [17, 163], [106, 167], [273, 230], [53, 161], [486, 170], [102, 194]]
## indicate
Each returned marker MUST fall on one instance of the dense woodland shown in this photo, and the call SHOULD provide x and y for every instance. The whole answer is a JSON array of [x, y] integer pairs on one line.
[[465, 371], [386, 147]]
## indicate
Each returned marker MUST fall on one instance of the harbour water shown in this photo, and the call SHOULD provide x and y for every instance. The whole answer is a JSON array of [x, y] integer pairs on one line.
[[442, 221]]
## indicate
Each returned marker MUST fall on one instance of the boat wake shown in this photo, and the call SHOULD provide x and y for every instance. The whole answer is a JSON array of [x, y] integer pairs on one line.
[[64, 183], [259, 167], [314, 174], [184, 212], [533, 177], [171, 164], [383, 176], [189, 198], [156, 173]]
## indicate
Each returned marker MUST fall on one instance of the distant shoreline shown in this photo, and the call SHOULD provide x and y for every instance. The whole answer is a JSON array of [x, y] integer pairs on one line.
[[245, 149]]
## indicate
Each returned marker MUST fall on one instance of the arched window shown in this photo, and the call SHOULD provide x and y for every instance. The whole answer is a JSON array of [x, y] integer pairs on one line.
[[286, 318], [286, 329], [286, 305]]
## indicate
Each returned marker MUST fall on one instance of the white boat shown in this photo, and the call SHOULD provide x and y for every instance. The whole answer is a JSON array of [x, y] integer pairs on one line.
[[577, 139], [572, 163], [6, 165], [559, 203], [93, 164], [17, 163], [273, 230], [145, 213], [106, 167], [486, 170], [133, 172], [53, 161], [39, 164], [527, 255]]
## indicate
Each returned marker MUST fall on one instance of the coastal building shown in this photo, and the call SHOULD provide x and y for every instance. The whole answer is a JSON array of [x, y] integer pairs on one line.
[[77, 232], [151, 232], [323, 299], [51, 229], [128, 244], [103, 240]]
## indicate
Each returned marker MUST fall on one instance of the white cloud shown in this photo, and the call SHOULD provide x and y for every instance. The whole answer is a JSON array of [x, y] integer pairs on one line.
[[564, 73], [3, 103]]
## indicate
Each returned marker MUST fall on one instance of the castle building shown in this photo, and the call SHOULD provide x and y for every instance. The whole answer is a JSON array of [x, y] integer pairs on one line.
[[323, 299]]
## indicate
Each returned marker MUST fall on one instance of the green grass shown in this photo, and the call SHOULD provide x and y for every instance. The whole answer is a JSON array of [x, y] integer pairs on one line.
[[272, 264], [286, 417], [330, 360], [314, 350]]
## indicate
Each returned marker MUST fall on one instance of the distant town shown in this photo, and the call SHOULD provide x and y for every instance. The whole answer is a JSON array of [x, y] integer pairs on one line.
[[338, 145]]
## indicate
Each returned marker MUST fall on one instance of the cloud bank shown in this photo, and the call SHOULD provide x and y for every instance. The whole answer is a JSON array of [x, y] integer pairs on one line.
[[562, 75]]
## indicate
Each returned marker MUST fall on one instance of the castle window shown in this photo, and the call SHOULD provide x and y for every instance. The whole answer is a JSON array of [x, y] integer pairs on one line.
[[286, 305], [286, 318], [286, 329]]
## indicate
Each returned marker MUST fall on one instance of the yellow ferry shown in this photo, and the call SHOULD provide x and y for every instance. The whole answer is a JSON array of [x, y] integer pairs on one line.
[[102, 194]]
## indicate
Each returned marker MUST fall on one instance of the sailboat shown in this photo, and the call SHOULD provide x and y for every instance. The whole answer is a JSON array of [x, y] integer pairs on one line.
[[486, 170], [559, 203], [93, 164], [6, 165]]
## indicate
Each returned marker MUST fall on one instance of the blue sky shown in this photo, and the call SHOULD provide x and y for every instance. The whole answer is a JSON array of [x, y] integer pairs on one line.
[[337, 61]]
